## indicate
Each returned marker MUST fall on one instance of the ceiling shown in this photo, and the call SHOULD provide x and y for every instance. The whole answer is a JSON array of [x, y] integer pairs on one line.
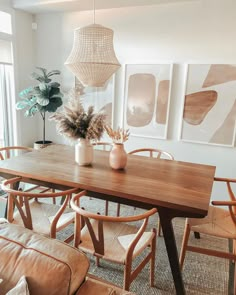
[[43, 6]]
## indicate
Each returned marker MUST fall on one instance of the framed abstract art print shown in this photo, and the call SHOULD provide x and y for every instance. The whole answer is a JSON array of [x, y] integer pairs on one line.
[[102, 98], [147, 99], [209, 106]]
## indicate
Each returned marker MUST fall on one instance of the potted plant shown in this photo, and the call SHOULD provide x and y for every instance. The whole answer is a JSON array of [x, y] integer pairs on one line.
[[42, 98], [78, 124]]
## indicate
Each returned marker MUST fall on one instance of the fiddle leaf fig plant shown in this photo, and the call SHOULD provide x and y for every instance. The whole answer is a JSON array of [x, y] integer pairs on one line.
[[45, 97]]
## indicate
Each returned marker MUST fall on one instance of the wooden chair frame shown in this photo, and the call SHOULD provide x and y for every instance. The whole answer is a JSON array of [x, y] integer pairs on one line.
[[221, 254], [5, 153], [151, 151], [98, 239], [21, 200]]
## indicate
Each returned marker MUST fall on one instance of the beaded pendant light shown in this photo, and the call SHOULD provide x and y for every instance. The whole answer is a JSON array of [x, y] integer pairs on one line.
[[92, 59]]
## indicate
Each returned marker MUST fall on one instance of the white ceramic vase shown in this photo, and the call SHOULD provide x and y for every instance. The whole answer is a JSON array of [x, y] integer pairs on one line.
[[118, 156], [83, 152]]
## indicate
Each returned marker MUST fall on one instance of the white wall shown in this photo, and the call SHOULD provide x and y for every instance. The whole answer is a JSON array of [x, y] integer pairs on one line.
[[197, 32], [24, 62]]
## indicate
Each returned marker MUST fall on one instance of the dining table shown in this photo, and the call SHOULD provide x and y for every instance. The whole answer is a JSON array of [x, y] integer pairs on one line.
[[175, 188]]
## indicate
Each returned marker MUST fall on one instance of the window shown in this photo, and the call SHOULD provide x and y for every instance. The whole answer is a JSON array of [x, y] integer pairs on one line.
[[7, 89], [5, 23]]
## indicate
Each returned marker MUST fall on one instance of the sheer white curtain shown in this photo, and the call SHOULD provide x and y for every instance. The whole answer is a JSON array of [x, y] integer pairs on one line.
[[7, 87], [6, 105]]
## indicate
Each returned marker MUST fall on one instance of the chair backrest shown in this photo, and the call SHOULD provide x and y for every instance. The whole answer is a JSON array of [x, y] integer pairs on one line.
[[229, 182], [16, 199], [105, 146], [10, 151], [153, 153], [98, 237]]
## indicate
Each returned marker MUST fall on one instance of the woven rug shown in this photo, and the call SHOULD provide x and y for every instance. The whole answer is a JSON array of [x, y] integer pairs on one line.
[[202, 274]]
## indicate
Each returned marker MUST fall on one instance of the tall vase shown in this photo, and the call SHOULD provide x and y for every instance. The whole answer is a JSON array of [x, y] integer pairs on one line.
[[84, 152], [118, 156]]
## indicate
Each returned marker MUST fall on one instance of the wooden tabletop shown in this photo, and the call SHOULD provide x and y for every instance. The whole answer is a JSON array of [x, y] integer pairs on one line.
[[171, 184]]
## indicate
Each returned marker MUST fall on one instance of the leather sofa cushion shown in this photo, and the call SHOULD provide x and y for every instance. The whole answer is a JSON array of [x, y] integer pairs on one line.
[[50, 266]]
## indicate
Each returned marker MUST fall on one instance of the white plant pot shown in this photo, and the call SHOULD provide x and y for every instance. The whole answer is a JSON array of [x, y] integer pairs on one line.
[[83, 152], [38, 145]]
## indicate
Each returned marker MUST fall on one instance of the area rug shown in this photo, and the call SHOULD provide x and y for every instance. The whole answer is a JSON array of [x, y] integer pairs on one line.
[[202, 274]]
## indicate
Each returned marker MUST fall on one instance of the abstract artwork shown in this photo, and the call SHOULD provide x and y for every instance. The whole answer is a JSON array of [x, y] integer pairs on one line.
[[100, 97], [147, 98], [209, 109]]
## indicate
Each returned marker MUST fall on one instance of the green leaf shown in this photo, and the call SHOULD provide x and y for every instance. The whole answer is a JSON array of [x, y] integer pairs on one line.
[[55, 103], [54, 91], [26, 93], [42, 101], [55, 84], [57, 95], [43, 70], [31, 111], [20, 105], [43, 78], [33, 100], [43, 86], [54, 72], [43, 91]]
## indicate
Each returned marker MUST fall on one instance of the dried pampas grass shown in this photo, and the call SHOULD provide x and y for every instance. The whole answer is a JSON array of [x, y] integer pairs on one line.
[[74, 122]]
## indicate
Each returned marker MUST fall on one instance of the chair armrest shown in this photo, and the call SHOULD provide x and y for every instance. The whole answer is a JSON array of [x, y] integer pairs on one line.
[[224, 179], [224, 203]]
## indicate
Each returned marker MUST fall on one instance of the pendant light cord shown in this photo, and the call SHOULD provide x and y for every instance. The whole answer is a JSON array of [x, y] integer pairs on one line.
[[93, 11]]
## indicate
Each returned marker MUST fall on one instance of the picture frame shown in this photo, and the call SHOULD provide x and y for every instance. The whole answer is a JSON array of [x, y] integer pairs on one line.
[[147, 99], [102, 98], [209, 104]]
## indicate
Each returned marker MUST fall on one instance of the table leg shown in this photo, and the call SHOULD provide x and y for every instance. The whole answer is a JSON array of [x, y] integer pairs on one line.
[[168, 233]]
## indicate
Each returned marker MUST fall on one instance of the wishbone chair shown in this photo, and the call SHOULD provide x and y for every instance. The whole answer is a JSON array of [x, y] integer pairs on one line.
[[32, 213], [112, 238]]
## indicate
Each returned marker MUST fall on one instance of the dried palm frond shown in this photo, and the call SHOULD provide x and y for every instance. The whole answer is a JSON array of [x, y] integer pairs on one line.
[[74, 122]]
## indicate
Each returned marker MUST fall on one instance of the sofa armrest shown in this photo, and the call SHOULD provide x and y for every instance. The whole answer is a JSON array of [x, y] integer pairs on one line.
[[50, 266], [94, 285]]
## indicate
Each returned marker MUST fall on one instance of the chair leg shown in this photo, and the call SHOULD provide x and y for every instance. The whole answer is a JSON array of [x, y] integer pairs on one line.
[[118, 210], [152, 262], [97, 261], [159, 229], [184, 244], [106, 207], [127, 274], [234, 250], [234, 278], [53, 199]]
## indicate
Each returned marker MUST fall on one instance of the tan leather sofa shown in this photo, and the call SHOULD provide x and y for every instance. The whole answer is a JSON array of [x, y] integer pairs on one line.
[[51, 267]]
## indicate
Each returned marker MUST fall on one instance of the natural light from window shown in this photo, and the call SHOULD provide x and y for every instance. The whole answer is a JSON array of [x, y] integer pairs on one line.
[[7, 87], [5, 23]]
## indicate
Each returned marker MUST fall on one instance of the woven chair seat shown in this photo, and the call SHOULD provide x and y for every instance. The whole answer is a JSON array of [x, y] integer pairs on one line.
[[43, 214], [218, 223], [117, 238]]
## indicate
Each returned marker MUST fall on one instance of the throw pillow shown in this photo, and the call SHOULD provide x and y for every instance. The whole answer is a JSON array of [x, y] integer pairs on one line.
[[21, 288], [3, 220]]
